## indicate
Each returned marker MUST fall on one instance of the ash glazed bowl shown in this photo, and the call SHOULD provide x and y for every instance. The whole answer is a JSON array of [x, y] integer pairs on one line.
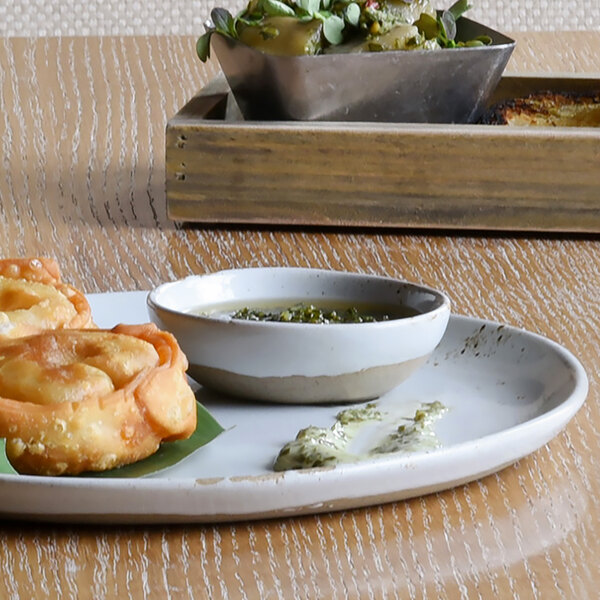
[[417, 86], [300, 362]]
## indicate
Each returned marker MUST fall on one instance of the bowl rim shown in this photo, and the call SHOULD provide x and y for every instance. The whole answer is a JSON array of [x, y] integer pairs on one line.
[[443, 303]]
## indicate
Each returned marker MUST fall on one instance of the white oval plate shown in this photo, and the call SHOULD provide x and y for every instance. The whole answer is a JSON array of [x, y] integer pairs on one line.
[[508, 391]]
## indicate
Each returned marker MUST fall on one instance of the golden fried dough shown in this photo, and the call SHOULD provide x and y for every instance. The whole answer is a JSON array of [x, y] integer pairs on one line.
[[43, 270], [90, 400], [33, 299], [547, 109]]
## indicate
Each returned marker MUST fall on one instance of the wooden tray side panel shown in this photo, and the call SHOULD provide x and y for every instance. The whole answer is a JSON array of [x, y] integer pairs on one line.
[[400, 176]]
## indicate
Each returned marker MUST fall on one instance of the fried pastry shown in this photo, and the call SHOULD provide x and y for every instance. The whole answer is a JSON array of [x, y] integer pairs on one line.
[[547, 109], [33, 299], [89, 400]]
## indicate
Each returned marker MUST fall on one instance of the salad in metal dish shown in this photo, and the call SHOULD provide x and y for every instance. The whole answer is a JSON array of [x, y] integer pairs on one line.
[[312, 27]]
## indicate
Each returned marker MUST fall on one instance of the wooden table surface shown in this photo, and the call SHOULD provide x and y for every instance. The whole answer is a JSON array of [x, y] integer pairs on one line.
[[82, 179]]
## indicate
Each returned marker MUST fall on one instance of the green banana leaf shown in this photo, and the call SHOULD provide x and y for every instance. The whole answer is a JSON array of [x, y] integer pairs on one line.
[[5, 467], [169, 453]]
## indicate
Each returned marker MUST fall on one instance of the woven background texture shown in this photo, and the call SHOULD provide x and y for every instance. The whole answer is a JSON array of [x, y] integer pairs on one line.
[[34, 18]]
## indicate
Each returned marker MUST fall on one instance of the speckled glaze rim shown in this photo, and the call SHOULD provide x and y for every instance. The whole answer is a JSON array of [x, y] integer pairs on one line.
[[164, 499], [442, 300], [329, 357]]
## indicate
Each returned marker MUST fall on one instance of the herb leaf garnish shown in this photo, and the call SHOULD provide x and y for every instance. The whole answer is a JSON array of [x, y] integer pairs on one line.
[[443, 29], [340, 20], [275, 8], [223, 23]]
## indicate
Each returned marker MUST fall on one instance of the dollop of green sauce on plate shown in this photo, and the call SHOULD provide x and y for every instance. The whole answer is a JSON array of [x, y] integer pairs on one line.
[[322, 447]]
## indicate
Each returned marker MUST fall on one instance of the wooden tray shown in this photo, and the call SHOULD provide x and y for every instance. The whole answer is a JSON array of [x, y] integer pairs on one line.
[[224, 170]]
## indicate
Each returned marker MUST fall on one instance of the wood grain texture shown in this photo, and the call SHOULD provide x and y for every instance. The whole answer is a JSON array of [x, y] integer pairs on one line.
[[227, 170], [82, 178]]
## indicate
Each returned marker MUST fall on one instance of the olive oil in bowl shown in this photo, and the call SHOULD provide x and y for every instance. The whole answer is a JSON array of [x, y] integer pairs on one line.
[[308, 311], [279, 334]]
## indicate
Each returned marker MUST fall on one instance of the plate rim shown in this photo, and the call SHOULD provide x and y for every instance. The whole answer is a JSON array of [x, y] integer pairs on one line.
[[183, 493]]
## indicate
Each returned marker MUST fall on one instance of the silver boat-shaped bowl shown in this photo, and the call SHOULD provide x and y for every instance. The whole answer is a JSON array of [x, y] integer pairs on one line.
[[416, 86]]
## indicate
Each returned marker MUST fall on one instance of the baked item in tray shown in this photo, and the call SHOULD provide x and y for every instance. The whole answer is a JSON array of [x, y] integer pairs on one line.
[[34, 299], [547, 109], [89, 400]]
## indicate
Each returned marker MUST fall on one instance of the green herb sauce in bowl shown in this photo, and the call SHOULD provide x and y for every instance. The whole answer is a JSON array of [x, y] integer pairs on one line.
[[300, 362]]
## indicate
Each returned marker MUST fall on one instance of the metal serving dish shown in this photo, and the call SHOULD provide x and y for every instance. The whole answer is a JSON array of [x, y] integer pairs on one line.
[[418, 86]]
